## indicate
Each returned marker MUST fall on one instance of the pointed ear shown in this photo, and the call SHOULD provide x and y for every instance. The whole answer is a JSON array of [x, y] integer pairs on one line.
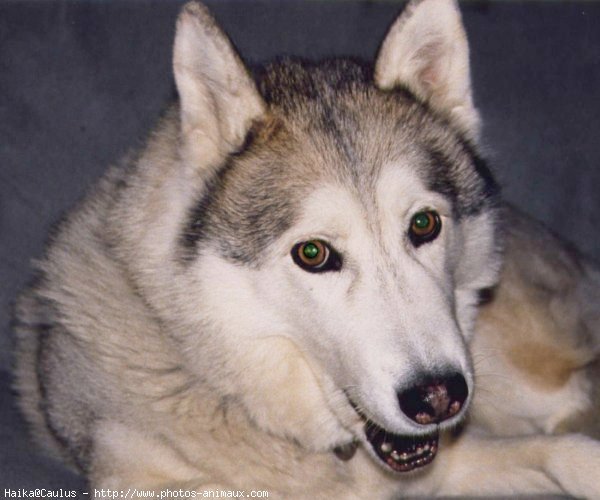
[[218, 98], [426, 50]]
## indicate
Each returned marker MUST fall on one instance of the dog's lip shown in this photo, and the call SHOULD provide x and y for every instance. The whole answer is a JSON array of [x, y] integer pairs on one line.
[[399, 453]]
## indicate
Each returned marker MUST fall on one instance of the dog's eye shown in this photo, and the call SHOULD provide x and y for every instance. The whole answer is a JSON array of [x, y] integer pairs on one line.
[[316, 256], [425, 226]]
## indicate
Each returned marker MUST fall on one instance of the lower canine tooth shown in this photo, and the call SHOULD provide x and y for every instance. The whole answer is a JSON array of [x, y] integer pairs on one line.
[[395, 455]]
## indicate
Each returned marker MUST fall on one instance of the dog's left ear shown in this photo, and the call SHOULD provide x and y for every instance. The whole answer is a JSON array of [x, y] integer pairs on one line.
[[426, 50]]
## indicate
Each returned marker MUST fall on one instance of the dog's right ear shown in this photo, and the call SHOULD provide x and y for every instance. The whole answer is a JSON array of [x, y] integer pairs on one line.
[[218, 98]]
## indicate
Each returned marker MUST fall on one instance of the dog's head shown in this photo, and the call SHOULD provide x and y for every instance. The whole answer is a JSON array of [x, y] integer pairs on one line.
[[339, 227]]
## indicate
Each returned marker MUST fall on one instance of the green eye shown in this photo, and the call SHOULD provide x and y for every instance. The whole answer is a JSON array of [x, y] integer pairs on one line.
[[310, 251], [312, 254], [316, 256], [422, 221], [425, 226]]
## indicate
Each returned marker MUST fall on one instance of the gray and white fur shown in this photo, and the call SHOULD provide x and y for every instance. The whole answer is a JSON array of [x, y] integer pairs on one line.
[[171, 340]]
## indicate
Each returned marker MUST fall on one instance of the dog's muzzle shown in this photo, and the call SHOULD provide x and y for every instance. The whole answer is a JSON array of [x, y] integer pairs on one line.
[[429, 402]]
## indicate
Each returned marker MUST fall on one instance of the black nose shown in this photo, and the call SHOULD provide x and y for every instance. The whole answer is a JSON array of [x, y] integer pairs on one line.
[[434, 399]]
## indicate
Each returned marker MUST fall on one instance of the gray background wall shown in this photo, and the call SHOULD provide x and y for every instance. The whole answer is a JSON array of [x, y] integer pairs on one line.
[[81, 82]]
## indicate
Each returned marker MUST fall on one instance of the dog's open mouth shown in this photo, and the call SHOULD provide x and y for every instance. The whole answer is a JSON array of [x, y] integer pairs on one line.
[[401, 453]]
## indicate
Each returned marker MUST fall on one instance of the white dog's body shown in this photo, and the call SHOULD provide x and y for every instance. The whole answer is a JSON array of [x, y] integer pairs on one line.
[[183, 334]]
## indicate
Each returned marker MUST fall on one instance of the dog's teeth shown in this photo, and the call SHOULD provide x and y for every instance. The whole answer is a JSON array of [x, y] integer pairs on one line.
[[395, 455], [419, 451], [386, 447], [427, 447], [404, 457]]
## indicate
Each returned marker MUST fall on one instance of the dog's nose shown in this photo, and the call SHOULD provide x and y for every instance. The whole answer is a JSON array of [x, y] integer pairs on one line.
[[434, 399]]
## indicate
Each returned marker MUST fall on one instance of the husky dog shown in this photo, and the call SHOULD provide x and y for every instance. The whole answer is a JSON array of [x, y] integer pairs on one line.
[[296, 287]]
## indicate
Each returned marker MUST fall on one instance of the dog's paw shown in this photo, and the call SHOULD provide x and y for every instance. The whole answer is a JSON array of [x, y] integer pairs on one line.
[[574, 464], [283, 396]]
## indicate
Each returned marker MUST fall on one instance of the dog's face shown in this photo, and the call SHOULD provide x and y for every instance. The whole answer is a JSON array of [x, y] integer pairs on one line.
[[344, 228]]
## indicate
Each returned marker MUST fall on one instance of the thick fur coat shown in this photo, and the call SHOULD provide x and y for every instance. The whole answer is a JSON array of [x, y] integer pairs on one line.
[[179, 334]]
